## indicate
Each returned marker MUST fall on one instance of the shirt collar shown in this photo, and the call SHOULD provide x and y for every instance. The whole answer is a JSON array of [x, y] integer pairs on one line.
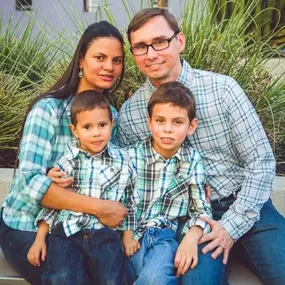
[[183, 154], [74, 150]]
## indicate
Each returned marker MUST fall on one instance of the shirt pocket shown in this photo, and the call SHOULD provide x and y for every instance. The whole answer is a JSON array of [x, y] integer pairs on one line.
[[109, 177], [178, 196]]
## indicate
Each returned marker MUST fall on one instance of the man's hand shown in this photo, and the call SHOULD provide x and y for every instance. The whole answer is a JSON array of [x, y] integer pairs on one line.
[[219, 240], [58, 177], [110, 213]]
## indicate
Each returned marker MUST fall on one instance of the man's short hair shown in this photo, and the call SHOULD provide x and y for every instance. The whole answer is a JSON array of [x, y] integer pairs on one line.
[[87, 101], [145, 15], [176, 94]]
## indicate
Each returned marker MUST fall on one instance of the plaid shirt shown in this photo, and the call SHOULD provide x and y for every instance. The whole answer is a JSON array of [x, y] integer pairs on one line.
[[46, 134], [169, 189], [107, 175], [230, 138]]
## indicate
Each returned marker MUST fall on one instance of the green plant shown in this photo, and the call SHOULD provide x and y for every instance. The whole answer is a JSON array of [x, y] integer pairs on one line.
[[227, 44]]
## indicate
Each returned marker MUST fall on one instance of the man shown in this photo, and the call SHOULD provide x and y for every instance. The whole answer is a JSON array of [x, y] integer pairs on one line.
[[230, 138]]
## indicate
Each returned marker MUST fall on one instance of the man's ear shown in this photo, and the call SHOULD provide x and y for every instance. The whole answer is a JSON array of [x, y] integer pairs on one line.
[[112, 123], [149, 122], [192, 127], [73, 130], [181, 42]]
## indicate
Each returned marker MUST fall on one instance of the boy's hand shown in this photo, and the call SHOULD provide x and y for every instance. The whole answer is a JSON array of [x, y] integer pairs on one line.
[[186, 257], [57, 176], [37, 253], [130, 245], [187, 253]]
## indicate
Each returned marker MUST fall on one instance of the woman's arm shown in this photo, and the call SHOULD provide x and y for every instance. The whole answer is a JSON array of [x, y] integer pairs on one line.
[[110, 213]]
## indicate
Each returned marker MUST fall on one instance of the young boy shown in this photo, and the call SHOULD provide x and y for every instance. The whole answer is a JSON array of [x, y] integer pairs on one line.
[[170, 184], [80, 246]]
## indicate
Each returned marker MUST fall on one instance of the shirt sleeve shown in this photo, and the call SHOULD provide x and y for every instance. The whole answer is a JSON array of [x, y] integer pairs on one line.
[[47, 215], [35, 152], [129, 200], [198, 202], [256, 157]]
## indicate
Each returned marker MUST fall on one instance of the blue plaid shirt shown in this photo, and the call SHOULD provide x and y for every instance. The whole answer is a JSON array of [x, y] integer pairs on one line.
[[46, 134], [230, 138], [108, 175], [169, 189]]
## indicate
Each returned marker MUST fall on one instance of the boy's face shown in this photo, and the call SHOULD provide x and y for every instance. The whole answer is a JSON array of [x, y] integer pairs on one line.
[[93, 129], [160, 66], [169, 125]]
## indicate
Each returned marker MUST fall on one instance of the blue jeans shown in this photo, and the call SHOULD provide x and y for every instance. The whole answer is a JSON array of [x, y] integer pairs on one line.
[[94, 253], [15, 245], [261, 249], [153, 263]]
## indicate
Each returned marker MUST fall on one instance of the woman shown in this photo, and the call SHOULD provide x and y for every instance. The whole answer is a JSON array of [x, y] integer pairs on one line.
[[97, 64]]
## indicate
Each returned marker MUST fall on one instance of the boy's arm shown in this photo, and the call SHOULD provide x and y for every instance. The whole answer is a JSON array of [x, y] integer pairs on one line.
[[38, 250], [199, 206], [129, 200], [187, 253]]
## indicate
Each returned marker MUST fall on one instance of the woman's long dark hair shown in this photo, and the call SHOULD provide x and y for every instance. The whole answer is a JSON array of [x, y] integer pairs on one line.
[[67, 85]]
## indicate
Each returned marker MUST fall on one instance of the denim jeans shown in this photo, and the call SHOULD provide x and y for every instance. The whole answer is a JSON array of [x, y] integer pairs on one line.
[[261, 249], [153, 263], [94, 253], [15, 245]]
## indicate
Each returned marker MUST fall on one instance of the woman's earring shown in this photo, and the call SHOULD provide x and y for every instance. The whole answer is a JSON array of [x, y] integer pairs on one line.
[[80, 73]]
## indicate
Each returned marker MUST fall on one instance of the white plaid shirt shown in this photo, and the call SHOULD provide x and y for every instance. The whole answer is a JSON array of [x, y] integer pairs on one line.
[[230, 138], [108, 175]]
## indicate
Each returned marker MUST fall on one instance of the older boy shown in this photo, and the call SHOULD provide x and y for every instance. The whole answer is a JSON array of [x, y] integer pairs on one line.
[[80, 246], [236, 154], [170, 185]]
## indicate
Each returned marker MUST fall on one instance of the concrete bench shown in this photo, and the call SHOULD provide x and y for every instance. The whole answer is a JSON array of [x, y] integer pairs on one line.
[[238, 274]]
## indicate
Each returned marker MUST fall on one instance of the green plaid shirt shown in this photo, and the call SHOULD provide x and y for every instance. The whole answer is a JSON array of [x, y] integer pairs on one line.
[[230, 138], [108, 175], [169, 189], [46, 134]]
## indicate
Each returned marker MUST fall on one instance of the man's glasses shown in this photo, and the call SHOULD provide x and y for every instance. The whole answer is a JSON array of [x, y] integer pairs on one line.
[[157, 45]]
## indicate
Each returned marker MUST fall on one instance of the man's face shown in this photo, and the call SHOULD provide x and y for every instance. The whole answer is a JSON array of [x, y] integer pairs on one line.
[[160, 66]]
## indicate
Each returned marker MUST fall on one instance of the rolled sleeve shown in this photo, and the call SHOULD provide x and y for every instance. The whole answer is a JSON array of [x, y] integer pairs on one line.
[[35, 153]]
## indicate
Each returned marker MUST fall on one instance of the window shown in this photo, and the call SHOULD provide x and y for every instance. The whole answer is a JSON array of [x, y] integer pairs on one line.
[[23, 5], [90, 5]]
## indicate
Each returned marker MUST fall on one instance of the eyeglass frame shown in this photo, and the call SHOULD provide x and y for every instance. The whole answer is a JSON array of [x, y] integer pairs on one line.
[[151, 45]]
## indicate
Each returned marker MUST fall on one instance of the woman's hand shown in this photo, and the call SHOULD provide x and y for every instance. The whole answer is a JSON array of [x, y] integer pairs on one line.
[[110, 213]]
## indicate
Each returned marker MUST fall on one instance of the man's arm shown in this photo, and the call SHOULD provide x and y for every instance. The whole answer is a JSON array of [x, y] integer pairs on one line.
[[256, 158]]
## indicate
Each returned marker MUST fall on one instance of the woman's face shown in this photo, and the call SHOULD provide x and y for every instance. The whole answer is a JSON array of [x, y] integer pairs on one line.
[[102, 64]]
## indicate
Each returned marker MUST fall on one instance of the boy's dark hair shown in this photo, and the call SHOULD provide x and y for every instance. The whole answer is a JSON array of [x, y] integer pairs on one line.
[[146, 14], [87, 101], [176, 94]]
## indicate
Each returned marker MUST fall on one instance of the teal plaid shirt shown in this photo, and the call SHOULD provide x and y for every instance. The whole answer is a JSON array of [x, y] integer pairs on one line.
[[230, 138], [169, 189], [46, 134], [108, 175]]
